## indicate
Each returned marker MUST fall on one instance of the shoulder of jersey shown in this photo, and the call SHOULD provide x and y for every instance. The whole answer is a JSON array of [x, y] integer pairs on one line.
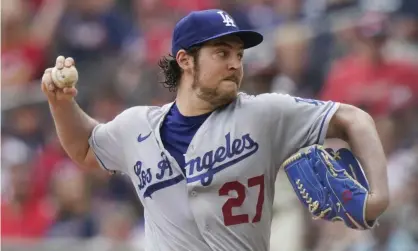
[[134, 110], [144, 110], [132, 114], [244, 97]]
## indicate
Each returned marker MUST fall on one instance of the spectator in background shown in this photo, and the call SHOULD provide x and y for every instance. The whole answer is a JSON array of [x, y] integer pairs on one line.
[[92, 30], [388, 236], [106, 105], [23, 215], [74, 217], [23, 46], [186, 6], [13, 152], [292, 42], [409, 212], [116, 226], [25, 124], [268, 14], [260, 14], [366, 78], [45, 163], [135, 78], [288, 212], [403, 45]]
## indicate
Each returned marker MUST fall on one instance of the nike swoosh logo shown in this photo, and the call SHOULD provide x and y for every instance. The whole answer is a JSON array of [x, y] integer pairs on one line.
[[140, 139]]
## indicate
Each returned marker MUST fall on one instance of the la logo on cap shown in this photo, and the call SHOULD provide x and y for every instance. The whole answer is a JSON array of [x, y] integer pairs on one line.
[[228, 21]]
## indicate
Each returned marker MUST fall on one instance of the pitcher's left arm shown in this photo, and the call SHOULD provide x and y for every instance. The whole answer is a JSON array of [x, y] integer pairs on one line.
[[358, 129]]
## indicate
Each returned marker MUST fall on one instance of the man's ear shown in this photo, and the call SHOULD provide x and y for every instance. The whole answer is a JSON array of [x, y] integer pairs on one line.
[[184, 60]]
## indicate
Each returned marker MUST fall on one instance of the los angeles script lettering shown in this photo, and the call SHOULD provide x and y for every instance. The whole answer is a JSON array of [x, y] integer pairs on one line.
[[201, 168]]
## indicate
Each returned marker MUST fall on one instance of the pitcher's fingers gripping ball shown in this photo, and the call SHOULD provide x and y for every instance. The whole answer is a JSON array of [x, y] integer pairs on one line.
[[332, 185], [64, 74], [47, 83], [59, 82]]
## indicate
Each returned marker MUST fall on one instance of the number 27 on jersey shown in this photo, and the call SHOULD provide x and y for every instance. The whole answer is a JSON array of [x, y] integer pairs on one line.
[[239, 188]]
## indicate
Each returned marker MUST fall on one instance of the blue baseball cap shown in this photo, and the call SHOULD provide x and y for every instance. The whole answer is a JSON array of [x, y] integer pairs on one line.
[[201, 26]]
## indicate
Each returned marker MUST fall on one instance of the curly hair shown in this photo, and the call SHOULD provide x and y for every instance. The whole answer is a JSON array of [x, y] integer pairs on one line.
[[171, 69]]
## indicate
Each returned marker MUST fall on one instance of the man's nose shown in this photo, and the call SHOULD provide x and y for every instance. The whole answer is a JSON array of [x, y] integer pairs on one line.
[[234, 63]]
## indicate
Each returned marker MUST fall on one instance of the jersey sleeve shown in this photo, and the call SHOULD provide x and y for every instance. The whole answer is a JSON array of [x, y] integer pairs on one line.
[[107, 142], [297, 122]]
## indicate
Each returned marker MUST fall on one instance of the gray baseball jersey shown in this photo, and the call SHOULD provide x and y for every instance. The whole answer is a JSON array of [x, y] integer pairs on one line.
[[224, 200]]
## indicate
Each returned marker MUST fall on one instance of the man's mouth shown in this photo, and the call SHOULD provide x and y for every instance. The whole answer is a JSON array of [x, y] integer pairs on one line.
[[233, 79]]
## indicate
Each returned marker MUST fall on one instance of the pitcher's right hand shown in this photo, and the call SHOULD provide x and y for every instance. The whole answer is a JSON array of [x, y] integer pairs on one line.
[[52, 91]]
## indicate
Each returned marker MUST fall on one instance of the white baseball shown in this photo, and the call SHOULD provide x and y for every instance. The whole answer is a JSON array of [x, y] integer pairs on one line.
[[65, 77]]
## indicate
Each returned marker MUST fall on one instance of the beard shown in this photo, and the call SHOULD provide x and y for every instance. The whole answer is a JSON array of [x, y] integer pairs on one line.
[[212, 95]]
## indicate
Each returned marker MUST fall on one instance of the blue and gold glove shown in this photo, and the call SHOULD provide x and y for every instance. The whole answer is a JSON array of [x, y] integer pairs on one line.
[[332, 185]]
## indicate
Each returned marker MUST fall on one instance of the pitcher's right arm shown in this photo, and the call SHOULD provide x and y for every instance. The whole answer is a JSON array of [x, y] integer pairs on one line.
[[74, 127]]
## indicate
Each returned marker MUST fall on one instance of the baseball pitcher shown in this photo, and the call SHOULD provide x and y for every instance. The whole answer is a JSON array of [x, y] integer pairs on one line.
[[204, 166]]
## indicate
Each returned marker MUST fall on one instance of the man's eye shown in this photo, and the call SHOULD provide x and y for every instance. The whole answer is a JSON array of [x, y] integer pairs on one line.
[[240, 55], [222, 53]]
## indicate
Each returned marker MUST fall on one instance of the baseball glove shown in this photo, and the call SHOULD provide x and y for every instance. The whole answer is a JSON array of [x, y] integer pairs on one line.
[[332, 185]]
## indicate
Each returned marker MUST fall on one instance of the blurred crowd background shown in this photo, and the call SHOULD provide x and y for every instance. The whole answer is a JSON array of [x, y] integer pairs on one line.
[[359, 52]]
